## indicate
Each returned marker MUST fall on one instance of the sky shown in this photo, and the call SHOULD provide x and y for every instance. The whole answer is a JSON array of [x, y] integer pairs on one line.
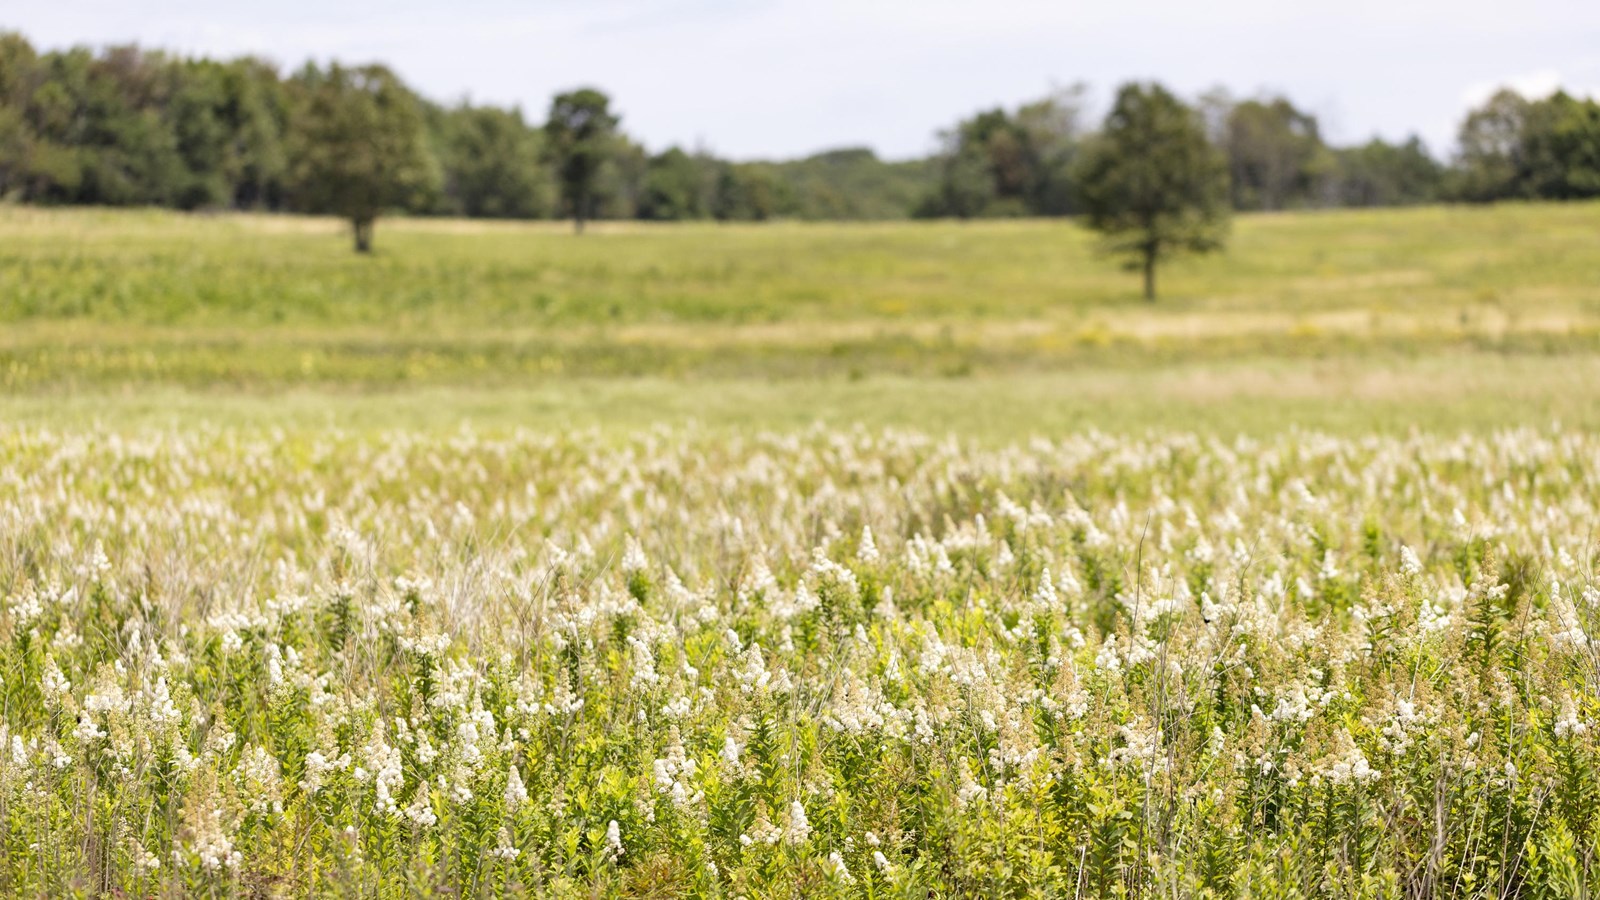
[[782, 78]]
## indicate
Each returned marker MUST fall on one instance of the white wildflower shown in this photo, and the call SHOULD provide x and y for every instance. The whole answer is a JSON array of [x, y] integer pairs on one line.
[[613, 848], [515, 793]]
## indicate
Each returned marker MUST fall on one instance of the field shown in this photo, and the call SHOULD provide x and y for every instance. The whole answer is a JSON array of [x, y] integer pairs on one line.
[[1435, 317], [915, 560]]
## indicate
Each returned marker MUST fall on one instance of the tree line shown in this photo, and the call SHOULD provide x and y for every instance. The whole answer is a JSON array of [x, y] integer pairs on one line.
[[127, 126], [1021, 162], [130, 126]]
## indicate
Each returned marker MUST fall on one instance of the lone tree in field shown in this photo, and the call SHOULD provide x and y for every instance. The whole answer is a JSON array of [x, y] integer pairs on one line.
[[1152, 183], [359, 147], [579, 134]]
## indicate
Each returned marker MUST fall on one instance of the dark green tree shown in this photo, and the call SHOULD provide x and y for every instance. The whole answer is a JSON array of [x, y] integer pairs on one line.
[[127, 149], [1054, 129], [1002, 164], [1491, 148], [620, 185], [749, 192], [491, 164], [1152, 183], [677, 186], [197, 111], [850, 183], [1515, 148], [1379, 173], [1276, 158], [256, 160], [966, 186], [358, 146], [1560, 157], [579, 136], [20, 76]]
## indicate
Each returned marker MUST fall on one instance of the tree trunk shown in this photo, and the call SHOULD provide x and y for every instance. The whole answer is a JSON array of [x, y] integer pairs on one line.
[[1150, 274], [363, 231], [580, 209]]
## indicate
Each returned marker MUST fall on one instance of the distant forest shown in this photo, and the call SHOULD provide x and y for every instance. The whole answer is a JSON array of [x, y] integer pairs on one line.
[[128, 126]]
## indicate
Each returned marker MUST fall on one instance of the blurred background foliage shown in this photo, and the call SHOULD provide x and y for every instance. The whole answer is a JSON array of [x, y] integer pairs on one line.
[[130, 126]]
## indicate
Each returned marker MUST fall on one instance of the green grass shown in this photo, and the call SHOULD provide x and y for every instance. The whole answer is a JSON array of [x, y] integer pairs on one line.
[[159, 269], [1448, 316]]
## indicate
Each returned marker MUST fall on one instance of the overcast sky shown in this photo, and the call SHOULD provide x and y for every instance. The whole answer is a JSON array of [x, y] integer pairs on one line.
[[777, 78]]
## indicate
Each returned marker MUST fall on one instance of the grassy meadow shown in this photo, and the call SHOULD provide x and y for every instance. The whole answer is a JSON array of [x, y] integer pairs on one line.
[[1474, 316]]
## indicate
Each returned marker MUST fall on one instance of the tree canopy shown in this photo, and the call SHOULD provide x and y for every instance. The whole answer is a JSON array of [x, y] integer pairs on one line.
[[357, 146], [1152, 183], [1379, 173], [492, 164], [1516, 148], [580, 131], [1276, 158], [1001, 163]]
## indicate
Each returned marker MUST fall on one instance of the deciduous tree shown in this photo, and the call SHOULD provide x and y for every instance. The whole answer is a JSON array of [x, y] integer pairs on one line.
[[491, 164], [1276, 157], [1152, 183], [579, 134], [359, 148]]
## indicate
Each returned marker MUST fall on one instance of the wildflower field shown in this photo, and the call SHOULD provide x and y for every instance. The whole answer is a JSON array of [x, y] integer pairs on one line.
[[827, 662]]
